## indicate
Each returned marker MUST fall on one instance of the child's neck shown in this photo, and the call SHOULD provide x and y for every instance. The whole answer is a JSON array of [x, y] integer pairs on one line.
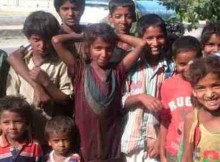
[[153, 60], [18, 142], [101, 72], [38, 59], [59, 158]]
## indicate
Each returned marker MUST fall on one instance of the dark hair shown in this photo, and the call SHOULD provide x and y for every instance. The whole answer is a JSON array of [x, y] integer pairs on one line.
[[210, 29], [185, 44], [100, 30], [149, 20], [41, 23], [77, 3], [59, 124], [203, 66], [113, 4], [16, 104]]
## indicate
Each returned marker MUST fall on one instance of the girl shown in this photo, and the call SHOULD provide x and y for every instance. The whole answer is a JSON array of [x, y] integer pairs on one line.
[[210, 38], [97, 90], [202, 129]]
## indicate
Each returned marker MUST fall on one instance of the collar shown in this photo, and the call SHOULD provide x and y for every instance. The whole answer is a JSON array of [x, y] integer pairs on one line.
[[4, 141]]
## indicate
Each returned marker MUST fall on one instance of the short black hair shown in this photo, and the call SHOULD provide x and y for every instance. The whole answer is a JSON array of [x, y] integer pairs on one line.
[[149, 20], [60, 124], [185, 44], [113, 4], [210, 29], [100, 30], [78, 3], [16, 104], [41, 23]]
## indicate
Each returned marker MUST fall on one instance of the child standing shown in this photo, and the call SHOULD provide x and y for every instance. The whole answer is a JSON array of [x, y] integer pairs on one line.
[[140, 137], [202, 135], [59, 132], [45, 69], [16, 141], [176, 98], [210, 38], [121, 16], [98, 91]]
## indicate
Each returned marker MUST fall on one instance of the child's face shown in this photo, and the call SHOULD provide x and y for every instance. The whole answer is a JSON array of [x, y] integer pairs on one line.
[[213, 45], [13, 125], [39, 46], [100, 52], [207, 91], [70, 13], [183, 59], [60, 143], [155, 40], [122, 19]]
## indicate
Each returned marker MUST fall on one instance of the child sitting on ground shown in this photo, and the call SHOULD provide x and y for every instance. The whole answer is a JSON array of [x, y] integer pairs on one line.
[[16, 141], [176, 99], [59, 132]]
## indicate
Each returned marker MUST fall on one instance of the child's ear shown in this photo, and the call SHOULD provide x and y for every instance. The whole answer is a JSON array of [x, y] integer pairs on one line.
[[49, 143], [110, 18], [194, 93]]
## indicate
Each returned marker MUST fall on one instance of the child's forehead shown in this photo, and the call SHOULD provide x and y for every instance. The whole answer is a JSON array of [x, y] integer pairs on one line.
[[58, 134], [118, 8], [10, 114]]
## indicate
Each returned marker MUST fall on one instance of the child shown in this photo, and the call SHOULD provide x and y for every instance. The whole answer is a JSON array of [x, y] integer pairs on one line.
[[70, 12], [45, 69], [210, 38], [139, 140], [4, 68], [97, 91], [16, 142], [59, 132], [201, 129], [176, 99], [121, 16]]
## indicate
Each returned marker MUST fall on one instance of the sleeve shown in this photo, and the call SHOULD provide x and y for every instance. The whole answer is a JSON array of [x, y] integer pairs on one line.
[[126, 91], [121, 73], [13, 83], [65, 84], [165, 114], [38, 154]]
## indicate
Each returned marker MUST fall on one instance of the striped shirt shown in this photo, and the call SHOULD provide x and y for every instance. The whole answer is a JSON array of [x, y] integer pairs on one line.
[[27, 152], [140, 126]]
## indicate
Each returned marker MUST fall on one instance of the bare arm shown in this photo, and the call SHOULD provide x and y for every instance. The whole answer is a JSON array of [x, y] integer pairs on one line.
[[64, 54], [143, 100], [138, 44], [188, 147]]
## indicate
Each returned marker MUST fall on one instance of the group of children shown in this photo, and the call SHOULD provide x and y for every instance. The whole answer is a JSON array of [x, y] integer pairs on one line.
[[101, 92]]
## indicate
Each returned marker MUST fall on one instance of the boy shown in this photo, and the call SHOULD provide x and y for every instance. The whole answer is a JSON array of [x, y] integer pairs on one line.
[[178, 103], [139, 140], [45, 68], [59, 132], [121, 16], [4, 67], [70, 12], [16, 142]]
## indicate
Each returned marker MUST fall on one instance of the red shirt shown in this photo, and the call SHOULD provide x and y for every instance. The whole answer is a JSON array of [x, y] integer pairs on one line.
[[176, 100]]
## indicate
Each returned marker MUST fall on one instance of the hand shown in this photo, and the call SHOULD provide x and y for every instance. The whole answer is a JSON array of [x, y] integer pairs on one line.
[[39, 76], [151, 103], [163, 159], [154, 149], [41, 98]]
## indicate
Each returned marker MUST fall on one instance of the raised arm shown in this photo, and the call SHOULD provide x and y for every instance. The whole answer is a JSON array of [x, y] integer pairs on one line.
[[138, 44], [65, 55]]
